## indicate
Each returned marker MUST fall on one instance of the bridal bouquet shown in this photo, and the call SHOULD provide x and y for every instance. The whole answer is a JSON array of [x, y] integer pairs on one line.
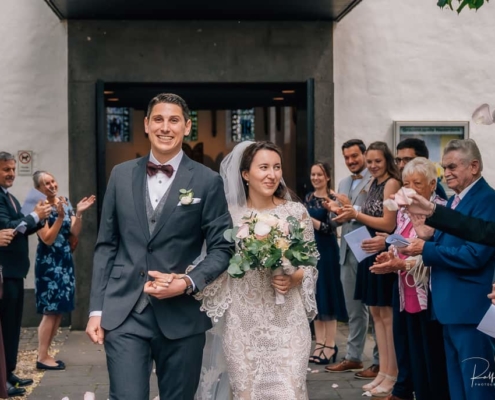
[[265, 241]]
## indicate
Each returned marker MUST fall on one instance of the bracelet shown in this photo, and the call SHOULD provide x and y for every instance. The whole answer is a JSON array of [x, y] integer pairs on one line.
[[432, 210], [409, 266], [357, 213]]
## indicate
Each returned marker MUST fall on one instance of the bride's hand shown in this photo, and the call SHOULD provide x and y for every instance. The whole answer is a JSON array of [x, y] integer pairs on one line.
[[161, 279], [283, 283]]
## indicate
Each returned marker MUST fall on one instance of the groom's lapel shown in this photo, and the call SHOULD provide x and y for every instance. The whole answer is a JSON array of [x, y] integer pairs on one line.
[[182, 181], [139, 194]]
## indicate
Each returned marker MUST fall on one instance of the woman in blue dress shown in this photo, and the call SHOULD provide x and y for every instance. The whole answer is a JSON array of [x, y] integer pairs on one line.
[[329, 291], [54, 268]]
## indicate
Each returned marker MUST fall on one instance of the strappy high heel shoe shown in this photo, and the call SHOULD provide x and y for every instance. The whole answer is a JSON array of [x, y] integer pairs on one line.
[[313, 357], [323, 359], [379, 391], [374, 384]]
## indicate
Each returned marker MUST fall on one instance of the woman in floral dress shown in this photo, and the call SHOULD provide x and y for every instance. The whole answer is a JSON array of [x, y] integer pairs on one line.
[[54, 268]]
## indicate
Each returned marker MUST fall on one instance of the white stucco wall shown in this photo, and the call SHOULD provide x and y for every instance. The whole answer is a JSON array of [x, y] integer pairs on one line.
[[33, 92], [408, 60]]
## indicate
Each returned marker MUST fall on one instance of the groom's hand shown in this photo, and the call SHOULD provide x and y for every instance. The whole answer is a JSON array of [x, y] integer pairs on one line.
[[165, 285], [95, 331]]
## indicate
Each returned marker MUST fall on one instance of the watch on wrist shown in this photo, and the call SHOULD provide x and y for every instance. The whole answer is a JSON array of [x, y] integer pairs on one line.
[[189, 286]]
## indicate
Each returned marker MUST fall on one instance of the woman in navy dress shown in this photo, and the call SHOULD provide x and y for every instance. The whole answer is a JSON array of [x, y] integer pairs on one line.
[[329, 291], [54, 268], [376, 290]]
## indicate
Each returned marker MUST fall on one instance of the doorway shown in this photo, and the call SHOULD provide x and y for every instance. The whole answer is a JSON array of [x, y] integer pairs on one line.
[[222, 115]]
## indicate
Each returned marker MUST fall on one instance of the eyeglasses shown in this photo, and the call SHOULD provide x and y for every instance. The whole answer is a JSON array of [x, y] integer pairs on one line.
[[405, 160]]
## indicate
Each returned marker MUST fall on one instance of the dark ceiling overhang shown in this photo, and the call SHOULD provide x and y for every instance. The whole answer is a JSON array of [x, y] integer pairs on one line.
[[206, 96], [287, 10]]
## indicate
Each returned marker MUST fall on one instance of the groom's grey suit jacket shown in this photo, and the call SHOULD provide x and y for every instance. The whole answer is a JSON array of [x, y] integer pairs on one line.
[[126, 250], [357, 196]]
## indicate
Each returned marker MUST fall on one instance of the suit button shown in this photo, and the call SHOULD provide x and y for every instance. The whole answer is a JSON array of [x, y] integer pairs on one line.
[[142, 273], [153, 221], [150, 250]]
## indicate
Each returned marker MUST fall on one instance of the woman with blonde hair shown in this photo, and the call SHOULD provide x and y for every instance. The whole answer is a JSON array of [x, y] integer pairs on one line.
[[54, 267]]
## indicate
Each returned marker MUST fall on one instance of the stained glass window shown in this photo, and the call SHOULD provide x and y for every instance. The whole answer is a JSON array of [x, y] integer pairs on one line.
[[193, 135], [118, 124], [242, 125]]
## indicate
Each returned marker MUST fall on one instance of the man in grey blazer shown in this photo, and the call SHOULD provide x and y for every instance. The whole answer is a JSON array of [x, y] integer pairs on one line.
[[157, 212], [354, 187]]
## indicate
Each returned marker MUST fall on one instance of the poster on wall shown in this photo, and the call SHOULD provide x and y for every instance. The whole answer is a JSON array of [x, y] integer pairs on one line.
[[118, 124], [435, 135]]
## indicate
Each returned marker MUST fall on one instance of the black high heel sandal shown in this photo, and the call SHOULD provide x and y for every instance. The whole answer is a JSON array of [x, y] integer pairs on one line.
[[313, 358], [323, 359]]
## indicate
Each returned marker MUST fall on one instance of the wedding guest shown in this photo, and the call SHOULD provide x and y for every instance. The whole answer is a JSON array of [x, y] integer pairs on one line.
[[407, 150], [376, 290], [6, 236], [329, 292], [410, 148], [354, 187], [54, 268], [418, 337], [14, 260], [462, 274]]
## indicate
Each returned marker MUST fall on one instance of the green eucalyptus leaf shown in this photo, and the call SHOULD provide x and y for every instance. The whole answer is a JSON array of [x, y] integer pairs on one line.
[[228, 235], [235, 271]]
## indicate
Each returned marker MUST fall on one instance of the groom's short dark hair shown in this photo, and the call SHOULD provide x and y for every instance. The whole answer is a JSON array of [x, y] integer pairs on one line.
[[169, 98]]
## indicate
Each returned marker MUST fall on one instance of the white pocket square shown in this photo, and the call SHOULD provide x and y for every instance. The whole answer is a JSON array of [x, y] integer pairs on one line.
[[195, 200]]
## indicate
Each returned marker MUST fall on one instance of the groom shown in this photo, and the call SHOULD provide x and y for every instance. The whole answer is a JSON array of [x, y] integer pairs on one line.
[[141, 305]]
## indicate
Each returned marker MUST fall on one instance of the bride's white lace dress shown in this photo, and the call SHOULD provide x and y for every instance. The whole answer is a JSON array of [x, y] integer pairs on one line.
[[266, 346]]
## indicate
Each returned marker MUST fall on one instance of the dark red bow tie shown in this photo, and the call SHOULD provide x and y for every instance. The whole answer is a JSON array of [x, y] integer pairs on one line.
[[152, 169]]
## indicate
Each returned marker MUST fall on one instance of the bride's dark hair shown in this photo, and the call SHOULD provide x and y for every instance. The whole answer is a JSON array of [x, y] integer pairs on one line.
[[247, 160]]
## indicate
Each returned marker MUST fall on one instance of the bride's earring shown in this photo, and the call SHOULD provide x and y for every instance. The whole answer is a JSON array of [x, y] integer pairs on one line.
[[247, 183]]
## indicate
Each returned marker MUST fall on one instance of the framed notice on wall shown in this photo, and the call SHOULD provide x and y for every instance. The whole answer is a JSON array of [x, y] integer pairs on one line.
[[435, 134]]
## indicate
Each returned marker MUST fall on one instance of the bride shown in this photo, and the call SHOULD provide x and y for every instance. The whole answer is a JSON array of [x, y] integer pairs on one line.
[[263, 346]]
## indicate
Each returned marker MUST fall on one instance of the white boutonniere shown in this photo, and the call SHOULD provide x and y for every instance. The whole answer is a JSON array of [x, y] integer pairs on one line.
[[186, 196]]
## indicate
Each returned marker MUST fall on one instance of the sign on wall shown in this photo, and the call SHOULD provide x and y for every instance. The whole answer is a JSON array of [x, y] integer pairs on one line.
[[25, 162], [435, 134]]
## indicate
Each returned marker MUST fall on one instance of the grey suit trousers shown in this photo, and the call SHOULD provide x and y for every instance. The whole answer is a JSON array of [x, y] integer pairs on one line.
[[133, 346], [357, 311]]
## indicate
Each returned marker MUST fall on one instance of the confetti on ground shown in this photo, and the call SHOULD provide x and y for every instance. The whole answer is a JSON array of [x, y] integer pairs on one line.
[[367, 394], [335, 386], [315, 371], [26, 365]]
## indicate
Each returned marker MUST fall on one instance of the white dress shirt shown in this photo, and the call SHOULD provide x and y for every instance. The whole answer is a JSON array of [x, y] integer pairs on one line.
[[158, 184], [467, 189]]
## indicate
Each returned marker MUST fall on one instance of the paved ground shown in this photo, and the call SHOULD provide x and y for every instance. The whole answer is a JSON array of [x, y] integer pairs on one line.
[[86, 371]]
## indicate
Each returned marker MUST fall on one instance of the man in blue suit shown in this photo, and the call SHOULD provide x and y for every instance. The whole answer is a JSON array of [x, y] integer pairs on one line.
[[461, 276]]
